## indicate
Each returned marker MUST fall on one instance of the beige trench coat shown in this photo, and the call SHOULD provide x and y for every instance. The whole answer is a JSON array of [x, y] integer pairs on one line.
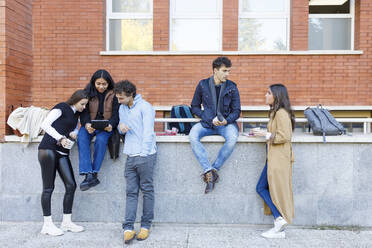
[[279, 165]]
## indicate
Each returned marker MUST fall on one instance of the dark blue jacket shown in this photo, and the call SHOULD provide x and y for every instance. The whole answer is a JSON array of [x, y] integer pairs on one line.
[[229, 102]]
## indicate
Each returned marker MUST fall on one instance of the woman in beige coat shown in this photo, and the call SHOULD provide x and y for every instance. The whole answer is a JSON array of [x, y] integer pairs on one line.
[[275, 183]]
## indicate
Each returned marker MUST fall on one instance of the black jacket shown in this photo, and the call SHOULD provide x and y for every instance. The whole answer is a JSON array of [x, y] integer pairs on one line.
[[228, 105]]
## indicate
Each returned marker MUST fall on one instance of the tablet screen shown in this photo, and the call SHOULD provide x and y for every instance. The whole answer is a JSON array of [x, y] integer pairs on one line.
[[100, 124]]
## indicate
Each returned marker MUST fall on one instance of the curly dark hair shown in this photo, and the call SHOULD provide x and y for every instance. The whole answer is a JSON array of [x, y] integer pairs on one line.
[[125, 86], [218, 62]]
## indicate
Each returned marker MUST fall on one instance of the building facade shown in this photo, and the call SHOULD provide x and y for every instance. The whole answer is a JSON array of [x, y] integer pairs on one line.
[[321, 50]]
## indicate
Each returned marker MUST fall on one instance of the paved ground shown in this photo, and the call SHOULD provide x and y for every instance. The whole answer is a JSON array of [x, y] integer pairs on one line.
[[99, 235]]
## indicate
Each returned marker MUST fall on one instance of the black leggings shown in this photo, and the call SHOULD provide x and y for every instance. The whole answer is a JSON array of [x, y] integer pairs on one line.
[[50, 162]]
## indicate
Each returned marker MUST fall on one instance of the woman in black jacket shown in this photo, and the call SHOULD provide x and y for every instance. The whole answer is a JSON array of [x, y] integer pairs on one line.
[[60, 127], [102, 105]]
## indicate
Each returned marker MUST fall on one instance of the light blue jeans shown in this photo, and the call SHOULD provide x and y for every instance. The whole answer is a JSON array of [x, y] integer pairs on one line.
[[230, 132]]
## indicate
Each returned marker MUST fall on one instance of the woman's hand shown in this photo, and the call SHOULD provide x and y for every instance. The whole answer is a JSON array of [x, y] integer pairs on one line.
[[73, 135], [89, 128], [64, 142], [259, 132], [108, 128]]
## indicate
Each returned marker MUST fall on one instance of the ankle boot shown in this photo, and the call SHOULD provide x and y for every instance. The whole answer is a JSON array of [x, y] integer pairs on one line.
[[215, 175], [85, 185], [68, 225], [94, 180], [209, 180], [49, 227]]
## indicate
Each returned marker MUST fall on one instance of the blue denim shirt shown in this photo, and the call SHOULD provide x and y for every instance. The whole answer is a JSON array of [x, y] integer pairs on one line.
[[140, 139]]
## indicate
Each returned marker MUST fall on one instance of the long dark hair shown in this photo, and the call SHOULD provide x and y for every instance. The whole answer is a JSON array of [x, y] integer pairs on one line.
[[76, 97], [281, 100], [91, 87]]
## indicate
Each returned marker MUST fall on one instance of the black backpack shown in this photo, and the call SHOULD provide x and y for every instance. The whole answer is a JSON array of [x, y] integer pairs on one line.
[[181, 111], [322, 122]]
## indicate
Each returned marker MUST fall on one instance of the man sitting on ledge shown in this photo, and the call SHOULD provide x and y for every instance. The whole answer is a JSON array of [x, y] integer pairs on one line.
[[221, 102]]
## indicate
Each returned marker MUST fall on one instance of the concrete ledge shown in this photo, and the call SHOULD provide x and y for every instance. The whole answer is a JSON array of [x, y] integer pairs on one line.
[[331, 183]]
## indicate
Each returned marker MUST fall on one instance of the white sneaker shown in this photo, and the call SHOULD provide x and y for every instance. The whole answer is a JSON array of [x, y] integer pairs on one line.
[[280, 224], [71, 226], [51, 229], [272, 234]]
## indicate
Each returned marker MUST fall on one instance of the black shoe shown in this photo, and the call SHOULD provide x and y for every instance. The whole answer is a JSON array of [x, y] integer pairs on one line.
[[209, 180], [94, 180], [85, 185]]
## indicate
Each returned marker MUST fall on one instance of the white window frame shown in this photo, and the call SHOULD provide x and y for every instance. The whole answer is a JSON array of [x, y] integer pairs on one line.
[[351, 16], [120, 16], [270, 15], [218, 16]]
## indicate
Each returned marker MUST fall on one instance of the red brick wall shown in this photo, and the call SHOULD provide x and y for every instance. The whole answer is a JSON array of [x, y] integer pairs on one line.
[[230, 23], [161, 25], [2, 70], [16, 56], [299, 24], [68, 38]]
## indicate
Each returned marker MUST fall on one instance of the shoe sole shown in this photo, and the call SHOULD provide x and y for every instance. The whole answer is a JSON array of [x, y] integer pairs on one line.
[[45, 233], [282, 228], [129, 241], [95, 183], [278, 237], [68, 230], [141, 239], [84, 188]]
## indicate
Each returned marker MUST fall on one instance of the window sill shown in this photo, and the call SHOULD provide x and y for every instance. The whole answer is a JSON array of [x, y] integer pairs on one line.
[[312, 52]]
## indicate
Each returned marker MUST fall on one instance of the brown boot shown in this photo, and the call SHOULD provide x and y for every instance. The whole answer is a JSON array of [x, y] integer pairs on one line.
[[215, 175], [209, 180], [129, 236]]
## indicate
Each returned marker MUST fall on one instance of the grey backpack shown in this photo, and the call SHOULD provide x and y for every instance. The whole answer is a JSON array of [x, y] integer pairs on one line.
[[322, 122]]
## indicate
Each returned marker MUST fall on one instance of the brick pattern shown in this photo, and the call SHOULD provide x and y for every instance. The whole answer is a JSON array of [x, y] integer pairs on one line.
[[299, 24], [68, 36], [161, 25], [16, 52], [230, 23]]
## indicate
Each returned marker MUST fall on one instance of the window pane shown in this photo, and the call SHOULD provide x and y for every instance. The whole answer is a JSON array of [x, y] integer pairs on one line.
[[329, 34], [195, 6], [195, 35], [131, 35], [131, 6], [263, 5], [330, 9], [262, 34]]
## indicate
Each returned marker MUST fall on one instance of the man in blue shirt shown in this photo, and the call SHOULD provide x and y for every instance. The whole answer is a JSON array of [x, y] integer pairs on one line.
[[221, 108], [137, 123]]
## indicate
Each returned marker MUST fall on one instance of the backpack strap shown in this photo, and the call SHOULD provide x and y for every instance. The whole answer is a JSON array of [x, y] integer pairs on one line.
[[178, 115], [188, 113], [321, 124], [332, 121]]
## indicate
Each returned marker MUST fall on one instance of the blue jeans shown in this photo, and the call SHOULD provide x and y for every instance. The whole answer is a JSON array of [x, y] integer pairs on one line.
[[100, 145], [229, 132], [139, 175], [262, 189]]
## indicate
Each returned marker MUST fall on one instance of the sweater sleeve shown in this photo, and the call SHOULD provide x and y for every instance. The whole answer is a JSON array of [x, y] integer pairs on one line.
[[197, 101], [283, 124], [53, 115]]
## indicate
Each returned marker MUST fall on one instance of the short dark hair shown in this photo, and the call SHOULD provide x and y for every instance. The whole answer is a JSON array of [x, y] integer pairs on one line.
[[125, 86], [77, 96], [218, 62]]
